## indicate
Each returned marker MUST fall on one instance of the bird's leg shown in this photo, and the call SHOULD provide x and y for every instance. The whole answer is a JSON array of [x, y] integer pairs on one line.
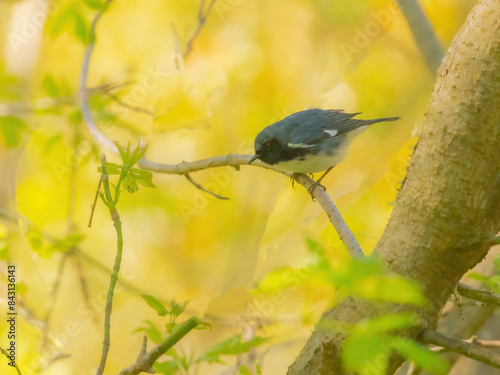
[[318, 183]]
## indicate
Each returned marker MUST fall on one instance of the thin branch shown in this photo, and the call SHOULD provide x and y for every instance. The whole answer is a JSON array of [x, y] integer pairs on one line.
[[5, 353], [84, 95], [423, 33], [413, 369], [202, 18], [472, 340], [237, 160], [145, 361], [128, 106], [53, 295], [462, 347], [92, 209], [83, 284], [485, 343], [116, 268], [489, 298], [188, 177]]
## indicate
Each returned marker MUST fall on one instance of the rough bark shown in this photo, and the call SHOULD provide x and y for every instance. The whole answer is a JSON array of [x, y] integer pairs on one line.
[[448, 209]]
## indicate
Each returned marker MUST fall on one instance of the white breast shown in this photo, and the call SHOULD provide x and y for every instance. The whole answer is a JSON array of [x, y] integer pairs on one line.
[[314, 163]]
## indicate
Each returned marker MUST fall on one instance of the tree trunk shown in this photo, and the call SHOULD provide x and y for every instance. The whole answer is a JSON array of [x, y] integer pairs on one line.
[[448, 209]]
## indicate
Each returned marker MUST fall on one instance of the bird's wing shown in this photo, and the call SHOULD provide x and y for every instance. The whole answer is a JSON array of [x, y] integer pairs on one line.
[[313, 126]]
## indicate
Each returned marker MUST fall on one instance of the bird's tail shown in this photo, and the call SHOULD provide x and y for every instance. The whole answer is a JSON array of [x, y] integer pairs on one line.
[[383, 119]]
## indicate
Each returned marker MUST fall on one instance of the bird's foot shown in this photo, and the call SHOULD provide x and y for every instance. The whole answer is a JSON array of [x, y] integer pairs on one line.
[[314, 186], [293, 177]]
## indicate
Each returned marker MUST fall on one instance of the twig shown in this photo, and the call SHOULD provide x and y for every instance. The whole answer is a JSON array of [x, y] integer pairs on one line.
[[128, 106], [95, 201], [5, 353], [53, 296], [472, 340], [479, 295], [116, 268], [202, 18], [84, 96], [413, 369], [485, 343], [462, 347], [423, 33], [145, 362], [83, 284], [188, 177]]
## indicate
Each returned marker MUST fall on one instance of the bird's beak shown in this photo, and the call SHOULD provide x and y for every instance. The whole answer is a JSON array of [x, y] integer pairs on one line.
[[253, 158]]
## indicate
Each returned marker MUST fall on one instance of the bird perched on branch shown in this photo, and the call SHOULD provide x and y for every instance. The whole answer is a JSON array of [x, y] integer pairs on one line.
[[310, 141]]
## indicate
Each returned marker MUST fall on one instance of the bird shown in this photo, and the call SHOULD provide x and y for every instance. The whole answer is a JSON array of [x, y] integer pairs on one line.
[[310, 141]]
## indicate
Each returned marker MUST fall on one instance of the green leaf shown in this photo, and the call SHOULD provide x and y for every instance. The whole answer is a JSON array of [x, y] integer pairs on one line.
[[231, 346], [61, 21], [138, 153], [130, 184], [121, 150], [366, 353], [51, 142], [169, 327], [244, 370], [478, 277], [143, 177], [176, 308], [356, 270], [111, 168], [155, 304], [11, 129], [203, 325], [315, 247], [389, 288], [75, 117], [167, 368], [94, 4], [388, 323], [49, 86], [423, 357], [496, 262], [67, 243], [80, 26], [35, 242], [370, 344], [151, 330]]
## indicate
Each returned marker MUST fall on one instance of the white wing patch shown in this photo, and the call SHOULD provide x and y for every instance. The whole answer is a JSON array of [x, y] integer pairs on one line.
[[332, 133], [299, 145]]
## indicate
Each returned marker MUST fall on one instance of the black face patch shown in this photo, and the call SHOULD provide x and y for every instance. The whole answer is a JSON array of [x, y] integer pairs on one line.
[[273, 152]]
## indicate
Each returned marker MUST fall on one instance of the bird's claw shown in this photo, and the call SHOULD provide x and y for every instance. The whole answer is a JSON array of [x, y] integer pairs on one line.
[[313, 186], [293, 177]]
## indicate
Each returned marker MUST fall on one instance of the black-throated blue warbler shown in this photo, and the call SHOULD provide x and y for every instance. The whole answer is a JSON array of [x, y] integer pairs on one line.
[[310, 141]]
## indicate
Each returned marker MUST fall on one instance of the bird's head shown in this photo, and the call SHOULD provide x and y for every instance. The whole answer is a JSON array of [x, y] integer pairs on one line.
[[267, 147]]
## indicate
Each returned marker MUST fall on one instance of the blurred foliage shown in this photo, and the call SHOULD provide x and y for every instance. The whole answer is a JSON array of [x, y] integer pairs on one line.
[[493, 282], [371, 343], [264, 264]]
